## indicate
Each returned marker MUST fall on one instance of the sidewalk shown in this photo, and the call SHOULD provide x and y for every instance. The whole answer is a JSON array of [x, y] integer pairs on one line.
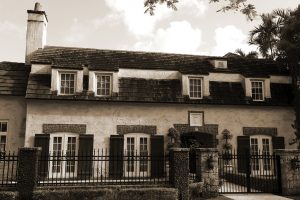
[[257, 197]]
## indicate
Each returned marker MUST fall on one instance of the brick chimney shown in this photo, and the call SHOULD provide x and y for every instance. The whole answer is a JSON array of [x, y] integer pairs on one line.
[[36, 31]]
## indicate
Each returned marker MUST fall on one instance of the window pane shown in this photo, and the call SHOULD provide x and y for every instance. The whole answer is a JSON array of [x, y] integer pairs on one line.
[[195, 87], [257, 90], [3, 127], [67, 84], [2, 143], [103, 85]]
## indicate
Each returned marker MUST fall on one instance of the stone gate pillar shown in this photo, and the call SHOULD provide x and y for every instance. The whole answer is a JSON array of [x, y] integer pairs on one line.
[[27, 171], [207, 171], [290, 170], [179, 171]]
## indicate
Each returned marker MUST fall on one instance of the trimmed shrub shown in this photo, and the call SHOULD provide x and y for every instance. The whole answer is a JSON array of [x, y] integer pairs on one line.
[[78, 194], [116, 193], [8, 195]]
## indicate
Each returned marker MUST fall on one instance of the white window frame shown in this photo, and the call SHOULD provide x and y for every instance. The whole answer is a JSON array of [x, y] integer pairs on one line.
[[59, 82], [63, 173], [4, 134], [263, 89], [261, 161], [136, 172], [201, 88], [110, 85]]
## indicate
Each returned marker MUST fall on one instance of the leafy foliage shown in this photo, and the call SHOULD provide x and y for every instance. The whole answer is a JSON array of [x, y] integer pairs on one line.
[[236, 5], [251, 54], [267, 35], [289, 48], [150, 5]]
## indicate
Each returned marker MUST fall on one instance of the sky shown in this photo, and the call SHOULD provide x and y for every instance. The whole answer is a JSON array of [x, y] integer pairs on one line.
[[196, 28]]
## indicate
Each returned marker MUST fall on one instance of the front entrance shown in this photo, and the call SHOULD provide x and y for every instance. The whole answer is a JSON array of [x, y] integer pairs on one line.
[[137, 158], [63, 149]]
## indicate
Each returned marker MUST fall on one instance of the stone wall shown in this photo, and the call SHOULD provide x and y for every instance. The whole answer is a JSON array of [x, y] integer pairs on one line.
[[290, 172], [179, 171], [207, 171]]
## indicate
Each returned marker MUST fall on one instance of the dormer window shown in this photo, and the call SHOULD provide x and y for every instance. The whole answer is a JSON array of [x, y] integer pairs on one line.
[[67, 83], [257, 89], [103, 84], [195, 87], [219, 64]]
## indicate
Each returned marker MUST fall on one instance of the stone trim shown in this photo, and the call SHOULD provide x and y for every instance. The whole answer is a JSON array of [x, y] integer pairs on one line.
[[259, 131], [70, 128], [124, 129], [207, 128]]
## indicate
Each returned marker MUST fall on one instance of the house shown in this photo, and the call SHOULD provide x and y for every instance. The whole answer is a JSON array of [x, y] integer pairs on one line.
[[74, 100]]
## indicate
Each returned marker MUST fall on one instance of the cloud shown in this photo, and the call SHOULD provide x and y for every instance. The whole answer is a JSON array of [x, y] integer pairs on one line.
[[81, 31], [132, 14], [9, 28], [194, 7], [77, 32], [228, 39], [12, 40], [141, 24], [179, 37]]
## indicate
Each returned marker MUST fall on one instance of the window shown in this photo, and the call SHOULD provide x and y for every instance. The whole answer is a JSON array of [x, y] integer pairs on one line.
[[257, 89], [221, 65], [3, 135], [64, 148], [137, 154], [195, 88], [67, 83], [104, 83], [260, 147], [196, 118]]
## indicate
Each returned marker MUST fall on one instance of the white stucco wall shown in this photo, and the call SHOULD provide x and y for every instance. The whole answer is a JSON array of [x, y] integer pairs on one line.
[[102, 118], [13, 110]]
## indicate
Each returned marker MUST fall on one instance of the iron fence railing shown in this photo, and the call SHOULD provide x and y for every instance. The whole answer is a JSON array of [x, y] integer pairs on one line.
[[8, 169], [244, 172], [100, 168]]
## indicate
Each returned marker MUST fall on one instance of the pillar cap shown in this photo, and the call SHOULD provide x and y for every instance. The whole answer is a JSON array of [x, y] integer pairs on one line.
[[207, 149], [284, 151], [30, 149], [180, 149]]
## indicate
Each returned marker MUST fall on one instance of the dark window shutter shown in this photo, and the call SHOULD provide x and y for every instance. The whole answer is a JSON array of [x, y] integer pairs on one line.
[[278, 143], [85, 155], [116, 150], [42, 140], [243, 153], [157, 155]]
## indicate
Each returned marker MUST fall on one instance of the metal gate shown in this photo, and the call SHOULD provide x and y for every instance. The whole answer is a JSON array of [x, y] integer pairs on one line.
[[245, 173]]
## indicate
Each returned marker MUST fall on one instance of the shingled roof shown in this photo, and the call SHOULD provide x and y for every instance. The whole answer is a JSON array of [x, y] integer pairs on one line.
[[161, 91], [13, 78], [97, 59]]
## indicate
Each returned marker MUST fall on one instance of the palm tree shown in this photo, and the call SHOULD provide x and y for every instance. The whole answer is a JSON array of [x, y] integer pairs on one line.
[[251, 54], [267, 34]]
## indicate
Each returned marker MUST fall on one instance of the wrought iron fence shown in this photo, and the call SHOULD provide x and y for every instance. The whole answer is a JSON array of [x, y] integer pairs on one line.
[[8, 169], [100, 168], [244, 172]]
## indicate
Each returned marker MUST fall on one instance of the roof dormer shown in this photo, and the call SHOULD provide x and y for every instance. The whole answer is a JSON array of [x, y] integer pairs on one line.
[[219, 64]]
